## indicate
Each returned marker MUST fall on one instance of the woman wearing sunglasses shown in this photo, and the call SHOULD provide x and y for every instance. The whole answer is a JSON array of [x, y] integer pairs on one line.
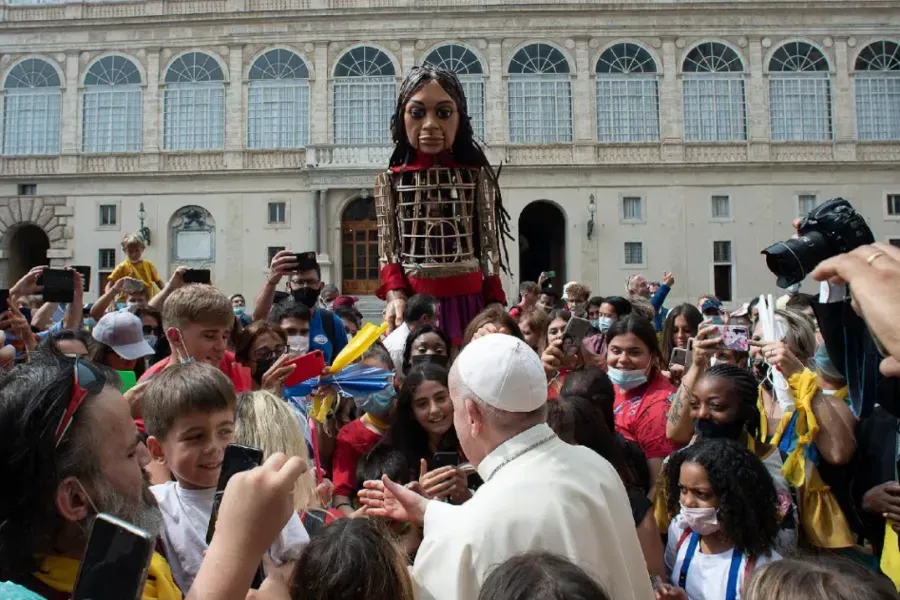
[[262, 348]]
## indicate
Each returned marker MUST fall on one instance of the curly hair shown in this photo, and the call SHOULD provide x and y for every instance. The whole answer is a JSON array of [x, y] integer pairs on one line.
[[746, 494], [745, 386]]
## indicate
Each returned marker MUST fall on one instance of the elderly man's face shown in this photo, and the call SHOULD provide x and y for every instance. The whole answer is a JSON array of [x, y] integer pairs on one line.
[[640, 286]]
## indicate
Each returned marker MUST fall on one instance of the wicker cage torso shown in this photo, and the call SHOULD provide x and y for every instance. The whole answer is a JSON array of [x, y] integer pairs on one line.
[[429, 220]]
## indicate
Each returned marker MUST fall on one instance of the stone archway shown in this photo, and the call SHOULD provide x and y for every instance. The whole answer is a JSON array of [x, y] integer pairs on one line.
[[542, 241], [33, 228], [359, 247]]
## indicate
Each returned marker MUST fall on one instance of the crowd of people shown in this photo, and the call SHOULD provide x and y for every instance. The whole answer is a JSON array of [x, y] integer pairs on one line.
[[497, 463]]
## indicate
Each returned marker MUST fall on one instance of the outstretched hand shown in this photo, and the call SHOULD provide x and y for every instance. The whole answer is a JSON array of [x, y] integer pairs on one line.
[[391, 500]]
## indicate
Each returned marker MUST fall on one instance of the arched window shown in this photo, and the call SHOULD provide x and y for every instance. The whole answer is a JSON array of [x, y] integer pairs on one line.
[[878, 91], [194, 104], [111, 106], [799, 94], [627, 95], [463, 62], [540, 96], [714, 107], [31, 108], [365, 93], [278, 101]]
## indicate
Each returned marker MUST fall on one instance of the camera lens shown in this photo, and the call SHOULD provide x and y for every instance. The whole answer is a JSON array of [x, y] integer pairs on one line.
[[792, 260]]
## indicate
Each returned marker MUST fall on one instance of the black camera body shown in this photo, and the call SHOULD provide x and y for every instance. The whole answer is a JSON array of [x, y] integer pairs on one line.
[[829, 229]]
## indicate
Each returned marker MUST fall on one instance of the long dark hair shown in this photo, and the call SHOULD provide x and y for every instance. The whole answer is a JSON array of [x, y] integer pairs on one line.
[[407, 435], [640, 327], [466, 151], [416, 334], [693, 317]]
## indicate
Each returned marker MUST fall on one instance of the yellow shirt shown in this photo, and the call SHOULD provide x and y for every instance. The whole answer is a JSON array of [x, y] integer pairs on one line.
[[143, 270]]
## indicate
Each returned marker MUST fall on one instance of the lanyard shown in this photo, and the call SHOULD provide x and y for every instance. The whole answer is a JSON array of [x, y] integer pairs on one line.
[[736, 556]]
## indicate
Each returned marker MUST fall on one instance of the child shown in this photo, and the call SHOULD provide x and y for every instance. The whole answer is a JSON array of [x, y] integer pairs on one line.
[[197, 320], [189, 412], [725, 520], [135, 266]]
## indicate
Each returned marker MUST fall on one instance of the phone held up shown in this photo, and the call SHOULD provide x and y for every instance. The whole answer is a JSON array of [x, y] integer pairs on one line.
[[198, 276], [58, 285], [116, 561], [445, 459], [573, 336]]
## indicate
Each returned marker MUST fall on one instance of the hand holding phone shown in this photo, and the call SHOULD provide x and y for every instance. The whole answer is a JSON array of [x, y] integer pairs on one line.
[[308, 366], [734, 337], [115, 563], [58, 285], [198, 276], [574, 334]]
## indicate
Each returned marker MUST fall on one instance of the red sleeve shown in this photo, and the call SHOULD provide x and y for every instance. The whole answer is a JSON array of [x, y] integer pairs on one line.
[[492, 289], [353, 441], [650, 427], [392, 278]]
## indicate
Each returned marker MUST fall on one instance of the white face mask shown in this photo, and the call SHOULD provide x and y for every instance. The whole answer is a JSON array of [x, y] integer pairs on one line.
[[605, 324], [702, 520], [828, 392], [151, 339], [714, 361], [299, 344], [627, 380]]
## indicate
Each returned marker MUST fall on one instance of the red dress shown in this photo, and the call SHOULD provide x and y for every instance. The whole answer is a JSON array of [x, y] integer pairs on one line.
[[641, 416]]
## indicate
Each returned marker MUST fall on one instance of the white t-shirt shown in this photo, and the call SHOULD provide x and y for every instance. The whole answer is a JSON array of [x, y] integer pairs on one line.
[[707, 576], [185, 521], [395, 344]]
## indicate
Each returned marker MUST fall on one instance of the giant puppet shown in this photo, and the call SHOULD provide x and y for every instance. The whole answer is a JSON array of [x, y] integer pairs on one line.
[[441, 223]]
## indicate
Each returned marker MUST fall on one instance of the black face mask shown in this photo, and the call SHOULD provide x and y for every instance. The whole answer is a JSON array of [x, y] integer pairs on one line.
[[438, 359], [710, 430], [262, 366], [306, 296]]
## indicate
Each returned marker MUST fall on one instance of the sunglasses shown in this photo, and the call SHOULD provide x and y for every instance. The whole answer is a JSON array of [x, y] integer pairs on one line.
[[267, 353], [86, 381], [150, 330]]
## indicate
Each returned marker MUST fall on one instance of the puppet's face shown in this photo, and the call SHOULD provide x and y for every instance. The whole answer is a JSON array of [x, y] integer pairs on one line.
[[431, 118]]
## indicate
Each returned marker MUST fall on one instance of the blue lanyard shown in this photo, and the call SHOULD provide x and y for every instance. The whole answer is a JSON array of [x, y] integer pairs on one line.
[[736, 556]]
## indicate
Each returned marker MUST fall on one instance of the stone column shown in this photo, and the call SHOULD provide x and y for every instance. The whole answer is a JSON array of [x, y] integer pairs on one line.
[[407, 56], [496, 127], [843, 117], [757, 108], [234, 108], [70, 124], [583, 113], [318, 101], [671, 113], [151, 141]]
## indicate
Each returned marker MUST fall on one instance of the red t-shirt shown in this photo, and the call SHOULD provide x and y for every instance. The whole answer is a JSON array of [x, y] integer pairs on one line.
[[641, 416], [236, 372], [353, 441]]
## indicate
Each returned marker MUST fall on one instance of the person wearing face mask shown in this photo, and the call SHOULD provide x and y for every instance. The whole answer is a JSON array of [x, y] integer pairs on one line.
[[263, 348], [355, 439], [240, 310], [426, 344], [724, 521], [577, 295], [642, 391], [326, 330], [603, 312]]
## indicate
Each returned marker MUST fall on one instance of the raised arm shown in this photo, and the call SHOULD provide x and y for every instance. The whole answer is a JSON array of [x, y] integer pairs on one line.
[[74, 316], [659, 298], [679, 426], [282, 263], [43, 317], [175, 282]]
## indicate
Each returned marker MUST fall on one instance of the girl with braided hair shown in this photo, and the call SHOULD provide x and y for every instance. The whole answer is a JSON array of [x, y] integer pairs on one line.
[[441, 222], [724, 520]]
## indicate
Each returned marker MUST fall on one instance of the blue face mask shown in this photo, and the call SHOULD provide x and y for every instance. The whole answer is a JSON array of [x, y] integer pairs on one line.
[[378, 404], [627, 380], [595, 323], [239, 310], [605, 323]]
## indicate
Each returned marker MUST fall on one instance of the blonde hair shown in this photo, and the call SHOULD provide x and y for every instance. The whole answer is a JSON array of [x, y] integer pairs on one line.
[[801, 333], [579, 290], [819, 578], [132, 239], [538, 321], [198, 303], [265, 421]]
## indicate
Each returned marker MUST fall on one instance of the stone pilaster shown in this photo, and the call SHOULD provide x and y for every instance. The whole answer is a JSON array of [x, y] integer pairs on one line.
[[584, 114], [234, 109], [497, 124], [320, 118]]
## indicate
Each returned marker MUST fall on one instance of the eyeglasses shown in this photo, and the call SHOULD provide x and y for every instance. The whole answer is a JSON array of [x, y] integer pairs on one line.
[[150, 330], [86, 381], [267, 353]]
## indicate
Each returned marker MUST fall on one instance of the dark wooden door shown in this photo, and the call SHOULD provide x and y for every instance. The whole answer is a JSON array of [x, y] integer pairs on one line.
[[359, 252]]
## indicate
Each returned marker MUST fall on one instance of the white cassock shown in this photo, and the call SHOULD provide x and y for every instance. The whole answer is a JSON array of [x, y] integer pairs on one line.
[[540, 494]]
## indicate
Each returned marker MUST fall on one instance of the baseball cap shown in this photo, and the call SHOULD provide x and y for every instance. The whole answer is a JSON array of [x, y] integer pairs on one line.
[[711, 304], [503, 372], [123, 332], [345, 302]]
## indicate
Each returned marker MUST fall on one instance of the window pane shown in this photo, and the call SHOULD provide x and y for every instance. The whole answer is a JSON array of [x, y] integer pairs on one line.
[[800, 108], [363, 107], [107, 214], [878, 106], [540, 109], [277, 212], [194, 116], [31, 121], [627, 109], [631, 209], [714, 109], [634, 253], [722, 252], [107, 261], [807, 203], [278, 114], [721, 207], [111, 119], [271, 252], [722, 282], [893, 204]]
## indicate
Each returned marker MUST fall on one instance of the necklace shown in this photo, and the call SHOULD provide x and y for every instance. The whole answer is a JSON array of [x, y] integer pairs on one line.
[[516, 455]]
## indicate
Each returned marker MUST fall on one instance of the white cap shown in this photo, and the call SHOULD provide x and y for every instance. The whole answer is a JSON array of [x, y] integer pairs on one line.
[[123, 331], [503, 372]]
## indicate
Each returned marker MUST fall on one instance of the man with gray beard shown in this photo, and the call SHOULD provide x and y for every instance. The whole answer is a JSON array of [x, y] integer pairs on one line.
[[70, 450]]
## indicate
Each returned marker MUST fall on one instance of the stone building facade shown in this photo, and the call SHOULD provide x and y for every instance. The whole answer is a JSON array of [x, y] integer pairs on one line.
[[635, 136]]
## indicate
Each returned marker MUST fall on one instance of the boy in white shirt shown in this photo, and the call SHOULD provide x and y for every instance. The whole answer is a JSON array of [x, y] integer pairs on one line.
[[189, 413]]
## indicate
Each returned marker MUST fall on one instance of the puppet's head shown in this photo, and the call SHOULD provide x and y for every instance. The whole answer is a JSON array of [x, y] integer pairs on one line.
[[432, 117]]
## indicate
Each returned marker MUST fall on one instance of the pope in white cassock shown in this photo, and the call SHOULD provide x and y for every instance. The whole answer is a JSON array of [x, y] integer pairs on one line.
[[539, 493]]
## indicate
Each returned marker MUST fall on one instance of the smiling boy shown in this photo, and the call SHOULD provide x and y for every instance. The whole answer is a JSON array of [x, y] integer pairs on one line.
[[189, 412]]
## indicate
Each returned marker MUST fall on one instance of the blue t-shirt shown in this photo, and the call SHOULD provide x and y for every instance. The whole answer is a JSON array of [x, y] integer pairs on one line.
[[319, 341]]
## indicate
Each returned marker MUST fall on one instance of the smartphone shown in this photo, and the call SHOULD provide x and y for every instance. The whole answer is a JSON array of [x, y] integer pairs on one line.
[[574, 334], [444, 459], [237, 459], [115, 562], [85, 272], [548, 274], [734, 337], [681, 356], [133, 285], [58, 284], [306, 261], [197, 276], [308, 366], [713, 320], [4, 301]]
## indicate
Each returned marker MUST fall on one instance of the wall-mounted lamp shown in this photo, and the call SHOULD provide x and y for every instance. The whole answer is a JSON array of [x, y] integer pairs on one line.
[[592, 208], [144, 232]]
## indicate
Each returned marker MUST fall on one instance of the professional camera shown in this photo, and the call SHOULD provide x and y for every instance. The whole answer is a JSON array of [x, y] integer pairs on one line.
[[829, 229]]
